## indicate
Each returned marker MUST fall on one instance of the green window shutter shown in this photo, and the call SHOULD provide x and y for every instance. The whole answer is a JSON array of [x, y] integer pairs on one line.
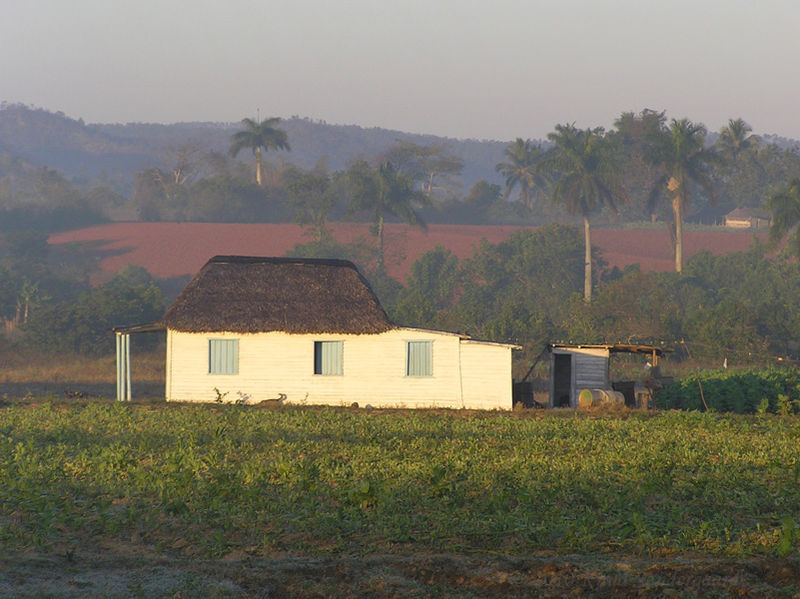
[[223, 356], [328, 357], [419, 358]]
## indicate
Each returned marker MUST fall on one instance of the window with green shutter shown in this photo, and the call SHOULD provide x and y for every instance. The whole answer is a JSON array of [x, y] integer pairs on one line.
[[419, 358], [223, 356], [328, 357]]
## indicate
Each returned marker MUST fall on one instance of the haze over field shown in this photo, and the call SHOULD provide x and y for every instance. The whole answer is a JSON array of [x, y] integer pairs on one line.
[[451, 68]]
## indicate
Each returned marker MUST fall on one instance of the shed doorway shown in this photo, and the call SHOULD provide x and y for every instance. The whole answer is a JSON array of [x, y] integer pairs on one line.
[[562, 380]]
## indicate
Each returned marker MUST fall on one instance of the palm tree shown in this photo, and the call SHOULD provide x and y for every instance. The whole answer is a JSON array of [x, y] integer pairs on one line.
[[736, 138], [680, 153], [785, 208], [635, 128], [586, 172], [382, 191], [521, 170], [257, 135]]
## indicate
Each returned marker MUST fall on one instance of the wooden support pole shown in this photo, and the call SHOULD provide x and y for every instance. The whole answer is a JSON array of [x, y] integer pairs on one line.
[[128, 366], [123, 366], [118, 339]]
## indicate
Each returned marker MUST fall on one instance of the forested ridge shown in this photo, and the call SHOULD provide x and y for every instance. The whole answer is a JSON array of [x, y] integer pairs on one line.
[[59, 172], [115, 152]]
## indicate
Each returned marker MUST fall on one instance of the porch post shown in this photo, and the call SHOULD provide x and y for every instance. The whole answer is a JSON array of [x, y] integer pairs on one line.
[[123, 367], [118, 339], [128, 366]]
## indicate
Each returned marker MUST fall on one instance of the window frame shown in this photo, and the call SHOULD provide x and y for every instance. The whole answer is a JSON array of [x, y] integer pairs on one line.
[[219, 362], [410, 365], [321, 366]]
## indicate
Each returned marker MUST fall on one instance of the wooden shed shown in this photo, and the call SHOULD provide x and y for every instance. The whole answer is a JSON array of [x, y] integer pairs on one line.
[[574, 367], [312, 331]]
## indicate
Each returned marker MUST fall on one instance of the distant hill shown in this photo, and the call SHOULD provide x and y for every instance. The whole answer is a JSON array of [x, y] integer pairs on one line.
[[115, 152]]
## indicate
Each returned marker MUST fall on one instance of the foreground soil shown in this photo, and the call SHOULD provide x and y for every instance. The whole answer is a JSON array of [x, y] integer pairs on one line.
[[176, 249], [128, 572]]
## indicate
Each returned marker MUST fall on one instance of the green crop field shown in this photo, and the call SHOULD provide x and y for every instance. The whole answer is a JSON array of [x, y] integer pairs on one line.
[[235, 501]]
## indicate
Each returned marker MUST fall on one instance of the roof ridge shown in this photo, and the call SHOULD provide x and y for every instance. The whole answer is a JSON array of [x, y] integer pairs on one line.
[[237, 259]]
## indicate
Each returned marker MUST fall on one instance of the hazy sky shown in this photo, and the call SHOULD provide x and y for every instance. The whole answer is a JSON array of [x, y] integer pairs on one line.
[[485, 69]]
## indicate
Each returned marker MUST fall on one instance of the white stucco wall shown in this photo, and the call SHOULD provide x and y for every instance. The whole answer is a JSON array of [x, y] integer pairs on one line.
[[466, 374], [486, 375]]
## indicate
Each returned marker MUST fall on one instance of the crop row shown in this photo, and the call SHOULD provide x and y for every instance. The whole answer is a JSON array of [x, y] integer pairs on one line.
[[209, 480], [756, 390]]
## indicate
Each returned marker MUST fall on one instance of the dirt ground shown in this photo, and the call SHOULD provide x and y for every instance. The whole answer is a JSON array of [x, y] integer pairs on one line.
[[135, 574], [176, 249]]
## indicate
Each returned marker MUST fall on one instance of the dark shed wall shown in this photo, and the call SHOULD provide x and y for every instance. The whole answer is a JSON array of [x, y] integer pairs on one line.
[[587, 367]]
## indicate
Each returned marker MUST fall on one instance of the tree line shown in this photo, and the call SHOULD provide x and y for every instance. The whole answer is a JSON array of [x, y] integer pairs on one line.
[[645, 168], [581, 170], [740, 307], [548, 284]]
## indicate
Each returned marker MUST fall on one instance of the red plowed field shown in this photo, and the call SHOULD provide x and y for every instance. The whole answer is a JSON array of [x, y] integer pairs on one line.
[[175, 249]]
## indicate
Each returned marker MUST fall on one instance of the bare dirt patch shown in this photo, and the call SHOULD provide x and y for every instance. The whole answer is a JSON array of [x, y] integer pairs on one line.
[[383, 576], [177, 249]]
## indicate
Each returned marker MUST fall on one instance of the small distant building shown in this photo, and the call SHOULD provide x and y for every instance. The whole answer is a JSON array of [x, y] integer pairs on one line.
[[747, 218], [300, 331]]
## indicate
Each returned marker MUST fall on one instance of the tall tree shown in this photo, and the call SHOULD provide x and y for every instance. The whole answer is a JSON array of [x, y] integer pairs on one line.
[[433, 165], [630, 134], [586, 180], [312, 197], [742, 178], [785, 209], [637, 128], [736, 138], [257, 135], [184, 162], [521, 169], [680, 153], [382, 191]]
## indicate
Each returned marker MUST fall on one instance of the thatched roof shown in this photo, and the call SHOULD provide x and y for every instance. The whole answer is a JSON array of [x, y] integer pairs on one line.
[[243, 294]]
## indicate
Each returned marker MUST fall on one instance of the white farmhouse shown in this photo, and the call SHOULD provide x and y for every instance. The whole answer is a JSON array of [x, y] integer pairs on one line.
[[311, 331]]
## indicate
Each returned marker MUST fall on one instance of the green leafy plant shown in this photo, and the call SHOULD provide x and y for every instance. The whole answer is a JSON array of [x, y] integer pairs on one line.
[[748, 391], [204, 479]]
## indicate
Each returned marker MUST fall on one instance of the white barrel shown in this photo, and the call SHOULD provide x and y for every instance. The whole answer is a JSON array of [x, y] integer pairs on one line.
[[589, 398]]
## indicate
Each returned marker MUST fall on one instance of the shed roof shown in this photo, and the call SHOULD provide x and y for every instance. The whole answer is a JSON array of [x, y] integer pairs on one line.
[[613, 347], [747, 213], [243, 294]]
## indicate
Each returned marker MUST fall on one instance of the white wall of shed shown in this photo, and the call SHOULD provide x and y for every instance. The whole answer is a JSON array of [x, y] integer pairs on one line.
[[486, 376]]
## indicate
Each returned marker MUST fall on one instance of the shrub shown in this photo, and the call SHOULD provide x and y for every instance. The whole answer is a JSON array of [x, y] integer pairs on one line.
[[756, 390]]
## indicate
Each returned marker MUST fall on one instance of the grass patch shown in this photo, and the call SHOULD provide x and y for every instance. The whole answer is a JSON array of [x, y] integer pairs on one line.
[[62, 368]]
